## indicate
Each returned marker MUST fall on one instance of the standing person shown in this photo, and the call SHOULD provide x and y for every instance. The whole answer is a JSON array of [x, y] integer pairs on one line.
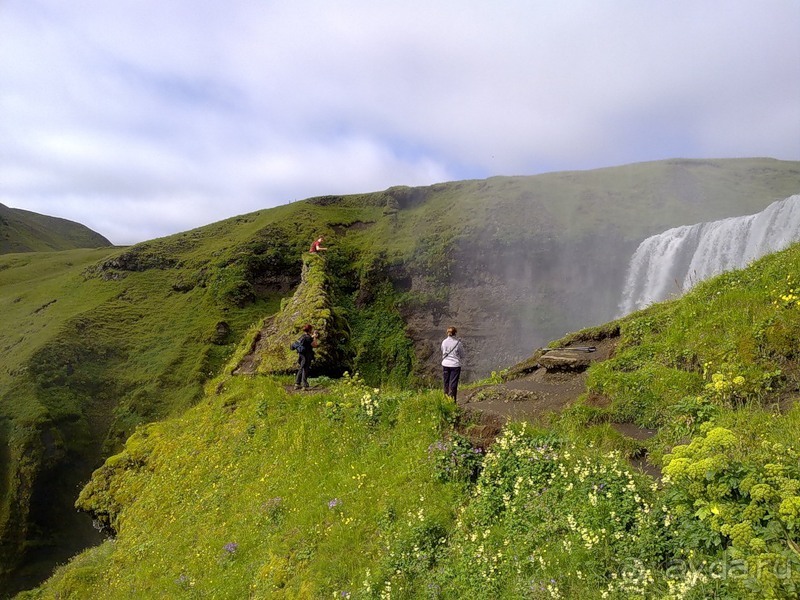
[[316, 245], [452, 359], [305, 354]]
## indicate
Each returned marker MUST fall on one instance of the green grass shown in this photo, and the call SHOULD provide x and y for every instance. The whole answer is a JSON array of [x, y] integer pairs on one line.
[[735, 325], [287, 500], [25, 231], [94, 343], [374, 493]]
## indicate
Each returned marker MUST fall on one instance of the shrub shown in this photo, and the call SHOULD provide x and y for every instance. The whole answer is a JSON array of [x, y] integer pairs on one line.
[[549, 519], [726, 499], [455, 459]]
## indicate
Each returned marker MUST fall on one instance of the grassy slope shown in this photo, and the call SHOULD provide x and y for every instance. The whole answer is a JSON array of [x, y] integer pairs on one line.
[[256, 493], [94, 343], [25, 231], [647, 198], [285, 467], [86, 359], [134, 341]]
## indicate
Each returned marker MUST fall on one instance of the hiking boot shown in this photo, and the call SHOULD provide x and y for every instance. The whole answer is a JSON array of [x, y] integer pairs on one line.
[[297, 387]]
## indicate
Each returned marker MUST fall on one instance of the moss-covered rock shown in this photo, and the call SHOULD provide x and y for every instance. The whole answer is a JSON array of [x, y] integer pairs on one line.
[[108, 491], [312, 302]]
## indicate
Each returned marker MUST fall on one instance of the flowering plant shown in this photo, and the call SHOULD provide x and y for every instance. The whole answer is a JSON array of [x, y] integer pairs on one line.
[[455, 459]]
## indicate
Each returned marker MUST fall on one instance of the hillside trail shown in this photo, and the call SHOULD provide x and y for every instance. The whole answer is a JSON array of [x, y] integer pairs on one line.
[[548, 382]]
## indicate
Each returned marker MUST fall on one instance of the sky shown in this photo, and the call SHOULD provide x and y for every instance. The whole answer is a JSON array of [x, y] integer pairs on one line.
[[142, 118]]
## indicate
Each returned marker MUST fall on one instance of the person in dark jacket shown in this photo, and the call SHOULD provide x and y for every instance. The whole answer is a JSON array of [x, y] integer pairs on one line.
[[305, 354]]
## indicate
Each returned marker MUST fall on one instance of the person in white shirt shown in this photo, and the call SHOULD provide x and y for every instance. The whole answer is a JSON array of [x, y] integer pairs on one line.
[[452, 360]]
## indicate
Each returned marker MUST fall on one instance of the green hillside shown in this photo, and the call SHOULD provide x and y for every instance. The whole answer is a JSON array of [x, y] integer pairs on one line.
[[361, 492], [94, 343], [26, 231]]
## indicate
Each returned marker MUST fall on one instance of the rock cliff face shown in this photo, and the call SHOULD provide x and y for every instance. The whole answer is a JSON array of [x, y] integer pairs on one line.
[[508, 301]]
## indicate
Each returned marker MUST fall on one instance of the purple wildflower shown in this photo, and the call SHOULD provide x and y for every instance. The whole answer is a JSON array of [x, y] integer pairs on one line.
[[334, 503], [437, 446], [231, 547]]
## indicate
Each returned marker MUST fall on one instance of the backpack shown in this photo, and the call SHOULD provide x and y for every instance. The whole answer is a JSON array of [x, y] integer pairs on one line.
[[303, 347]]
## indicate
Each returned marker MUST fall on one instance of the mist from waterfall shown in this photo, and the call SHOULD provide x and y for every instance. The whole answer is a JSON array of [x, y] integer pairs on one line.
[[671, 262]]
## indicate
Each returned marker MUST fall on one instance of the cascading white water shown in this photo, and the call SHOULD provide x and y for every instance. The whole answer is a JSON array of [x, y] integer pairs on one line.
[[673, 261]]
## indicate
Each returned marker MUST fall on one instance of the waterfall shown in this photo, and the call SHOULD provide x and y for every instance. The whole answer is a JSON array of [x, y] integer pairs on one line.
[[672, 262]]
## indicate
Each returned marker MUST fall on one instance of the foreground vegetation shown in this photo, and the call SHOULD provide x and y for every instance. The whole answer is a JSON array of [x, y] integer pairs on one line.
[[95, 343], [365, 492]]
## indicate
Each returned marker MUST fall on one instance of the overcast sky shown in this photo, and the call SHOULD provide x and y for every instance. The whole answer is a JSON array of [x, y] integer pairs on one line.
[[141, 118]]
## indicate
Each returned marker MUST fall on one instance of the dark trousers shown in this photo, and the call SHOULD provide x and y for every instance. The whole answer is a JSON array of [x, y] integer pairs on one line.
[[303, 364], [450, 377]]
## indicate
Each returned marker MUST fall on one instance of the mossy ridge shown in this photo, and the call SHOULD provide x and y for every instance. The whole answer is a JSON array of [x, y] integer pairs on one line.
[[312, 303]]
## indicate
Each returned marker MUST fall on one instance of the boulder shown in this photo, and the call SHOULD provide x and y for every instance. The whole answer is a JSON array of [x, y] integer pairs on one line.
[[565, 360]]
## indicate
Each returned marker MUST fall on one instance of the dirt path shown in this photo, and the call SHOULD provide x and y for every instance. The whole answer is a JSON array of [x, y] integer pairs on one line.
[[550, 382], [546, 383]]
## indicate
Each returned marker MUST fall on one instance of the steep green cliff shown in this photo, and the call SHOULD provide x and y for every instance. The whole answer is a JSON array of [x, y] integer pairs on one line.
[[311, 303]]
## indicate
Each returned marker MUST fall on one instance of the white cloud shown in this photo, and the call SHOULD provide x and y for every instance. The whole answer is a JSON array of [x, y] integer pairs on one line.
[[185, 110]]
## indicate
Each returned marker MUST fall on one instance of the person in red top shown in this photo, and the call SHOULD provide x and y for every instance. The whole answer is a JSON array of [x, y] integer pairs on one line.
[[316, 245]]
